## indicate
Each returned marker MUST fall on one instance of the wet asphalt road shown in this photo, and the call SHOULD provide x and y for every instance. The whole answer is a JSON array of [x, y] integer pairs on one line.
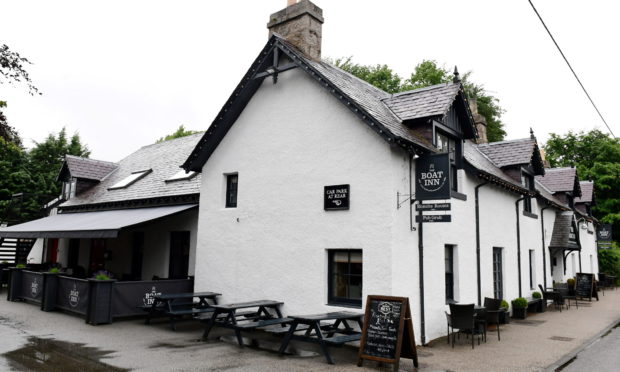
[[602, 356]]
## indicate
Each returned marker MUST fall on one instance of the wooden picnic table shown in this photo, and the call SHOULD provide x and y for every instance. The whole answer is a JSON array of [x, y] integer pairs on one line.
[[178, 304], [227, 316], [324, 333]]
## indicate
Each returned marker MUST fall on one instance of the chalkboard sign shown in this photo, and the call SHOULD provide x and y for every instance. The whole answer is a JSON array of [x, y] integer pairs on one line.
[[584, 285], [336, 197], [388, 331]]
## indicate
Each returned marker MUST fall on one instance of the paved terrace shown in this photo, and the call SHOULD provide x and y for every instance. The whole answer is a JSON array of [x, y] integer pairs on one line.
[[535, 344]]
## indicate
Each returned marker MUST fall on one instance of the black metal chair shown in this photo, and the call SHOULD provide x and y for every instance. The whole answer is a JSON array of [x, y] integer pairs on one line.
[[492, 311], [553, 296], [462, 318], [564, 291]]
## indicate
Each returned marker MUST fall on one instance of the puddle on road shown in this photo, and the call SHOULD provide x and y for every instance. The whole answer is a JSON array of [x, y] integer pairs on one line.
[[49, 355]]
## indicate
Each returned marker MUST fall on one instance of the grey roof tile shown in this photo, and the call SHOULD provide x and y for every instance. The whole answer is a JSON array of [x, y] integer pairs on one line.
[[90, 169], [587, 192], [507, 153], [163, 158], [560, 180], [424, 102], [480, 161], [561, 231]]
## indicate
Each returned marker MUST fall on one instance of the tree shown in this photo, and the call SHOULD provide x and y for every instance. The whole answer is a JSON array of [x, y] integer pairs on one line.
[[597, 157], [7, 132], [180, 132], [425, 74]]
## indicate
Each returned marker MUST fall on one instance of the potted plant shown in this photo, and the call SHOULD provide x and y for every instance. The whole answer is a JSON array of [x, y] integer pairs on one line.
[[571, 286], [541, 306], [20, 266], [504, 316], [100, 298], [519, 308]]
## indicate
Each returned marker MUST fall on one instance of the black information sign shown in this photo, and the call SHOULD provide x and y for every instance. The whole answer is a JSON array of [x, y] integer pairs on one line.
[[388, 331], [130, 297], [433, 207], [72, 295], [584, 285], [336, 197], [432, 173], [603, 233], [433, 218]]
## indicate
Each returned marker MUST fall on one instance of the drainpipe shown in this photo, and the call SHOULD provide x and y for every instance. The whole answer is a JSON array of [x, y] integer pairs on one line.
[[478, 240], [544, 249], [519, 241], [421, 262]]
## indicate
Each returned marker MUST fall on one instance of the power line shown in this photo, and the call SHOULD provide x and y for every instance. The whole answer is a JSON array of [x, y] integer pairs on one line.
[[571, 68]]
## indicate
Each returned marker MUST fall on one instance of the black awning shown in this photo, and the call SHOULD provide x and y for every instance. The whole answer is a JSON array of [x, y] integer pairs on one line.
[[104, 224]]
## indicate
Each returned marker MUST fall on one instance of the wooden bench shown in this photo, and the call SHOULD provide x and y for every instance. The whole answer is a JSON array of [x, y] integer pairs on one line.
[[177, 305], [263, 323], [341, 340]]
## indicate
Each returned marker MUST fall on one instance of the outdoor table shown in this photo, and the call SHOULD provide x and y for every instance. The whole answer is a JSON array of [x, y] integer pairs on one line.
[[323, 334], [179, 304], [227, 316]]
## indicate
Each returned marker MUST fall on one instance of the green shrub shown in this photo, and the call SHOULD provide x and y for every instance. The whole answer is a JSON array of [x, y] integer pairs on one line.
[[504, 304], [102, 275], [20, 266], [609, 260], [519, 303], [536, 295], [570, 282], [54, 270]]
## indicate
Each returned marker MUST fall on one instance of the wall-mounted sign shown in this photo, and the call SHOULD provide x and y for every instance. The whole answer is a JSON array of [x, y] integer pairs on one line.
[[336, 197], [603, 233], [433, 218], [432, 177], [433, 207]]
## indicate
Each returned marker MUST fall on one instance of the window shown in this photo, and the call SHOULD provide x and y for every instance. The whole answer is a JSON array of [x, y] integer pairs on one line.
[[449, 263], [182, 175], [345, 277], [68, 189], [448, 145], [498, 280], [528, 182], [232, 182], [129, 180], [532, 269]]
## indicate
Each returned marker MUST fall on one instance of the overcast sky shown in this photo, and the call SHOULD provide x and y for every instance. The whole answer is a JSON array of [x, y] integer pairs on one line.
[[124, 73]]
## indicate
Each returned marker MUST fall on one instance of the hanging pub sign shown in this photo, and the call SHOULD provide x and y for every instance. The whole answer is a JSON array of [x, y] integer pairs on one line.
[[603, 233], [336, 197], [432, 177]]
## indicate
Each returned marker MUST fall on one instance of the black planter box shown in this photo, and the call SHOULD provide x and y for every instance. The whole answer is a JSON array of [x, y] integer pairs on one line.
[[504, 316], [100, 297], [519, 313]]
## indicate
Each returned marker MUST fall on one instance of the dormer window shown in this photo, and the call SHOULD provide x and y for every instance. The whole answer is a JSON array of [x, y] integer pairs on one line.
[[129, 180], [182, 175], [447, 144], [527, 180], [68, 189]]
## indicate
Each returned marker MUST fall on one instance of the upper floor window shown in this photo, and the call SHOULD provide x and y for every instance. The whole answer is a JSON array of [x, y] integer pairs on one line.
[[527, 181], [232, 184], [68, 189], [129, 180]]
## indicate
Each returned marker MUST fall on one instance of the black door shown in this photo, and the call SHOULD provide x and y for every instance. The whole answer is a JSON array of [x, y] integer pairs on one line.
[[179, 255], [74, 253]]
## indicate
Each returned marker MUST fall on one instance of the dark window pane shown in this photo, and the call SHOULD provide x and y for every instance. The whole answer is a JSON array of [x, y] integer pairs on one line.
[[231, 190], [345, 276]]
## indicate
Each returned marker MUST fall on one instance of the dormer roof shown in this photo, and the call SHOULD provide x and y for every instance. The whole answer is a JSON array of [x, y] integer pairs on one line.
[[519, 152], [587, 193], [561, 180], [83, 168]]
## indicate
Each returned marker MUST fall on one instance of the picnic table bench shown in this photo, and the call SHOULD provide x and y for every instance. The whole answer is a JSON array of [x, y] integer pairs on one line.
[[175, 305], [323, 333], [227, 316]]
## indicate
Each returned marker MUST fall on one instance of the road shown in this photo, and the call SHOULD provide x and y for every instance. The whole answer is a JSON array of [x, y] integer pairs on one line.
[[601, 356]]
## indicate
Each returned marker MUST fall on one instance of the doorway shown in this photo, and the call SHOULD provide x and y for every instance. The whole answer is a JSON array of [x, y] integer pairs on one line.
[[179, 255], [97, 256]]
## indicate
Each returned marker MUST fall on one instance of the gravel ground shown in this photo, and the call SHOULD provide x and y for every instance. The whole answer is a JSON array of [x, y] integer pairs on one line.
[[535, 344]]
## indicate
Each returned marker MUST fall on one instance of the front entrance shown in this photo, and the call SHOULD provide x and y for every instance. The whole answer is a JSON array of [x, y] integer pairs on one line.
[[179, 255], [97, 256], [52, 250]]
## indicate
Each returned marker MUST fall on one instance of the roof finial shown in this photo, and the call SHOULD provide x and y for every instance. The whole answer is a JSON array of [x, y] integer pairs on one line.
[[456, 78], [532, 136]]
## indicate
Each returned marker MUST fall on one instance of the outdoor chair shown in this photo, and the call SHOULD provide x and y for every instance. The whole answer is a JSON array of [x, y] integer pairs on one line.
[[562, 288], [555, 297], [462, 318], [492, 309]]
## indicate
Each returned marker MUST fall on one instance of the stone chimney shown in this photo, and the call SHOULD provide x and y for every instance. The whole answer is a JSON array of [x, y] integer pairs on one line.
[[300, 24], [479, 120]]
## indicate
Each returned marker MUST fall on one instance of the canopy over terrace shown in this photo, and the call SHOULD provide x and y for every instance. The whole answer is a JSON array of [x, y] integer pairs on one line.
[[102, 224]]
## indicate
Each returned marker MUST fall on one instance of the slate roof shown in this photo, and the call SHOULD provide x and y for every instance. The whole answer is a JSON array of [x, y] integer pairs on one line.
[[163, 158], [561, 180], [587, 192], [89, 169], [561, 231], [507, 153], [548, 195], [479, 161], [435, 100]]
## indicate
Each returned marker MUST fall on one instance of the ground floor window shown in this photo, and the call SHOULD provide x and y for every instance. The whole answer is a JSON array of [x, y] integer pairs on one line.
[[498, 281], [345, 277], [449, 264], [532, 269]]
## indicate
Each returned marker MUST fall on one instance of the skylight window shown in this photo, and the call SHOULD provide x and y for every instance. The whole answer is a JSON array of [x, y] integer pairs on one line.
[[181, 175], [129, 180]]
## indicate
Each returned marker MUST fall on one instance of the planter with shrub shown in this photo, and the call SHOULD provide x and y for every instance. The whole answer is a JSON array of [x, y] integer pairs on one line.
[[519, 308], [504, 316]]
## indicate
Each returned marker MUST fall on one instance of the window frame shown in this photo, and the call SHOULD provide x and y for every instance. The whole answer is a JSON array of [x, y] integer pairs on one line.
[[343, 301], [498, 273], [454, 147], [231, 193], [449, 275]]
